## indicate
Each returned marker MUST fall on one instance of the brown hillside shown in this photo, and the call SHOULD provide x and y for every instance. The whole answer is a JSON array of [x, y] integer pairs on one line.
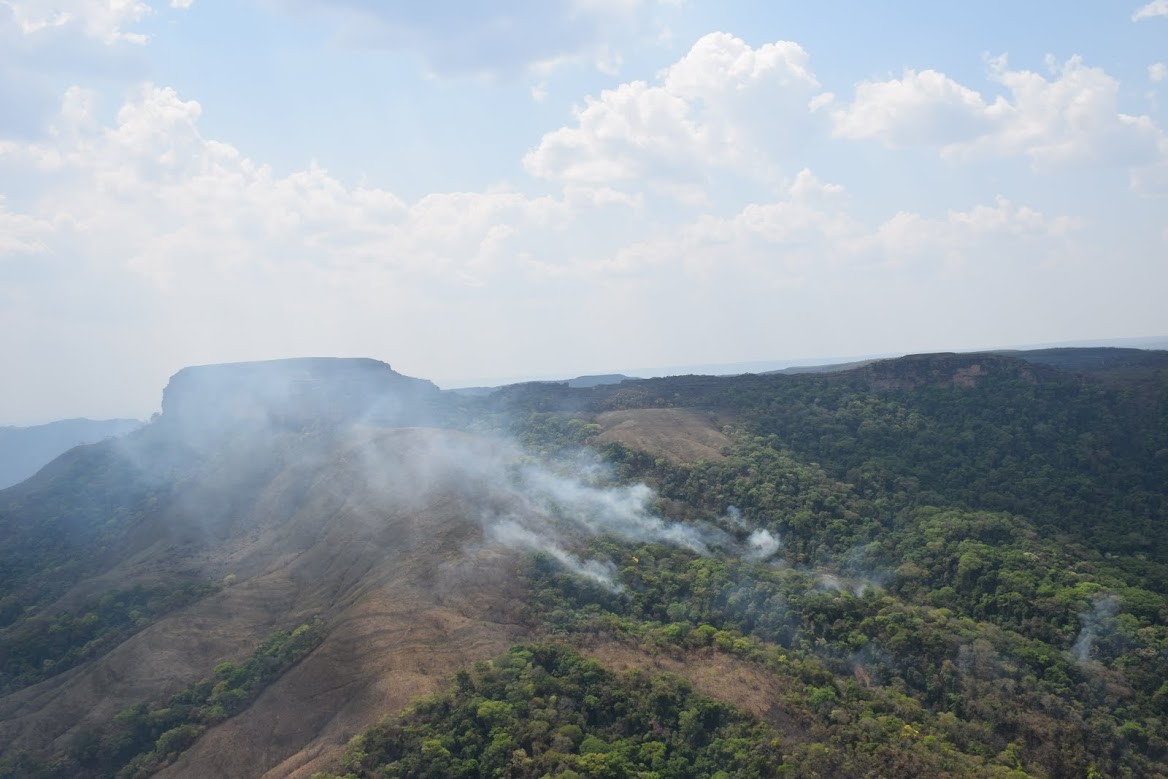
[[680, 435], [378, 535]]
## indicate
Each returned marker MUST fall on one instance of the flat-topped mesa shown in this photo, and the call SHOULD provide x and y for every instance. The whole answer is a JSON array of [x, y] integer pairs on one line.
[[293, 393]]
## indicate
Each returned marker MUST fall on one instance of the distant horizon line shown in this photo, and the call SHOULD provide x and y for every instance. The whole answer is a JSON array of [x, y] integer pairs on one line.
[[1151, 343]]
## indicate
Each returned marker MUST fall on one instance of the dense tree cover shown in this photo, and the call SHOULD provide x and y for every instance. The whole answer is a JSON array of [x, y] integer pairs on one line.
[[550, 435], [543, 710], [148, 736], [1014, 647], [1088, 460], [997, 697], [990, 550], [992, 565], [1085, 457], [43, 645]]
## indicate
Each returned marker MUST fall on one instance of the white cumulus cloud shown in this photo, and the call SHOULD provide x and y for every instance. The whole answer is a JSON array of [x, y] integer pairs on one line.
[[105, 20], [47, 44], [962, 237], [724, 105], [918, 109], [153, 187], [812, 229], [156, 241], [1070, 117], [1152, 9]]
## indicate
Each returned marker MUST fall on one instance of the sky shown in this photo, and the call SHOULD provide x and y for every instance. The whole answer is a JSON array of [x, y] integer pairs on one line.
[[478, 192]]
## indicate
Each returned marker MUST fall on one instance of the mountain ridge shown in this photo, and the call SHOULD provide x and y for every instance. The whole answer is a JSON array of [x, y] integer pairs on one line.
[[982, 500], [25, 450]]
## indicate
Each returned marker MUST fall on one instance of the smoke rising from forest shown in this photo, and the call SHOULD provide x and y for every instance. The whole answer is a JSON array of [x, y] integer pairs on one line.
[[550, 511], [763, 545], [518, 502], [1094, 623], [523, 504]]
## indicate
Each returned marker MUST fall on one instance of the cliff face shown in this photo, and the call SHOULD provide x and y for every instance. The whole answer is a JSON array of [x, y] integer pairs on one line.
[[948, 370], [292, 393]]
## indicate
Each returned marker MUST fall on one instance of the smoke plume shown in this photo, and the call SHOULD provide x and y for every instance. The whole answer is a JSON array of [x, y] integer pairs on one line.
[[762, 545], [1093, 623]]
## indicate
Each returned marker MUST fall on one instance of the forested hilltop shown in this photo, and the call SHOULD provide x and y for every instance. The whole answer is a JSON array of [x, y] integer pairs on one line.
[[942, 565]]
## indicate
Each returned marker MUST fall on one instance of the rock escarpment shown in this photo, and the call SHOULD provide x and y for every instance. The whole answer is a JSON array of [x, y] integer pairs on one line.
[[293, 393]]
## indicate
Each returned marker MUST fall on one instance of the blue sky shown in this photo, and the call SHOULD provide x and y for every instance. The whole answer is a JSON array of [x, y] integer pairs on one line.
[[474, 191]]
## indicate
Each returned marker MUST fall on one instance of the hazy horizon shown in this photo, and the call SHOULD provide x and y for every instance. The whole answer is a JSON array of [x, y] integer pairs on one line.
[[750, 366], [549, 189]]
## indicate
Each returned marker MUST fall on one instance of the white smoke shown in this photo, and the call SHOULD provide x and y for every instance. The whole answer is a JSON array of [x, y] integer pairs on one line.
[[625, 510], [523, 504], [1092, 623], [831, 582], [854, 585], [762, 545], [550, 511], [511, 533]]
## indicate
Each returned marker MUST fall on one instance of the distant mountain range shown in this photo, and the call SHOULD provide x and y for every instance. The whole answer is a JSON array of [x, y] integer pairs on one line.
[[804, 365], [25, 450]]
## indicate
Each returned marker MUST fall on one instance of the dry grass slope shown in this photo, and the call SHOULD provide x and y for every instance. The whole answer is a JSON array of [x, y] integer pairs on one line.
[[677, 434], [380, 538]]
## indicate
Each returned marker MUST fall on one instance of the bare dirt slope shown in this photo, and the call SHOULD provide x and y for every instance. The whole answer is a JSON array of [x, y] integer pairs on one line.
[[680, 435], [379, 537]]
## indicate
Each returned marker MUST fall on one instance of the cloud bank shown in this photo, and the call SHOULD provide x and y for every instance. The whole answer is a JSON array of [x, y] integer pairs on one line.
[[727, 207]]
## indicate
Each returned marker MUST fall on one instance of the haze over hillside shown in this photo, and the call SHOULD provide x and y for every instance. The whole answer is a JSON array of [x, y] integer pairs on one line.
[[306, 484], [23, 450], [945, 563]]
